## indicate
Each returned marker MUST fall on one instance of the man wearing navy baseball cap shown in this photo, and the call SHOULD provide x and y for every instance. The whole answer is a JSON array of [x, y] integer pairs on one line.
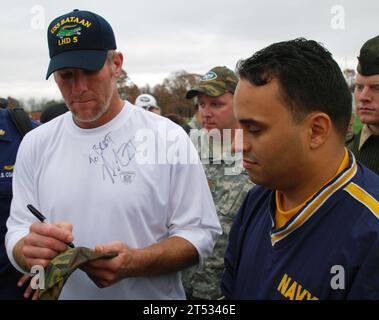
[[80, 39], [84, 168]]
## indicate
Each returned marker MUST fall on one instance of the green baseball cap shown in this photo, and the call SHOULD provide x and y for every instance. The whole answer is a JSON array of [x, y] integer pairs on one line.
[[369, 58], [215, 82]]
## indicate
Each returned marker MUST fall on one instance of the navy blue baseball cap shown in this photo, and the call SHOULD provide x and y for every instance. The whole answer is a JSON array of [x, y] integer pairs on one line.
[[79, 39]]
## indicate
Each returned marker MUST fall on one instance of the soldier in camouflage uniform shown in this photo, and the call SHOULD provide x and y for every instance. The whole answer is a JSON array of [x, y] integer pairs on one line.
[[215, 96], [195, 122]]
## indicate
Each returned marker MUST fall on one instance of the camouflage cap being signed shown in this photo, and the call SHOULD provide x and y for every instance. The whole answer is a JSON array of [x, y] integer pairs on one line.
[[63, 265], [215, 82], [369, 58]]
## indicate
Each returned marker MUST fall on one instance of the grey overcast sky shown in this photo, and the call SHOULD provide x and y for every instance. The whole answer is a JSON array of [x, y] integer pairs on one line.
[[158, 37]]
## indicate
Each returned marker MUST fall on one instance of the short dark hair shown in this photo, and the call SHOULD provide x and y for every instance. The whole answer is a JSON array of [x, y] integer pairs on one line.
[[309, 79]]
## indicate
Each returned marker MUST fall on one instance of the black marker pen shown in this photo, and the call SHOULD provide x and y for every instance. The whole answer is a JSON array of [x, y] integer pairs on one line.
[[42, 218]]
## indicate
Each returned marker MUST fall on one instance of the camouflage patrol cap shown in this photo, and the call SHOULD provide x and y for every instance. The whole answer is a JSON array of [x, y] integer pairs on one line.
[[369, 58], [215, 82], [62, 266]]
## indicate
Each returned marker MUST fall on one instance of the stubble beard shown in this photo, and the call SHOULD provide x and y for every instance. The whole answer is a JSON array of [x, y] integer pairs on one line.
[[88, 119]]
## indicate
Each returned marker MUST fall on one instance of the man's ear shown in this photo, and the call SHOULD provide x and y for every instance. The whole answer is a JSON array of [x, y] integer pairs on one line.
[[319, 129], [118, 59]]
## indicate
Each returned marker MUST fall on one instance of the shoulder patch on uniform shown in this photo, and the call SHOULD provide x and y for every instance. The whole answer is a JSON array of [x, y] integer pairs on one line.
[[363, 197]]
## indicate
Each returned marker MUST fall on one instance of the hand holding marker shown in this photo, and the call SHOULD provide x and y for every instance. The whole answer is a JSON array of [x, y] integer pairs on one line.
[[42, 218]]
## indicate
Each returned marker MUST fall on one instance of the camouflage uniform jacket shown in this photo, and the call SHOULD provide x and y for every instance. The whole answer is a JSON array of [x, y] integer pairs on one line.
[[228, 192]]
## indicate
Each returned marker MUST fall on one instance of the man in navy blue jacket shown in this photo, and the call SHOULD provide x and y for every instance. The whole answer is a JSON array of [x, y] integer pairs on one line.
[[10, 140], [311, 229]]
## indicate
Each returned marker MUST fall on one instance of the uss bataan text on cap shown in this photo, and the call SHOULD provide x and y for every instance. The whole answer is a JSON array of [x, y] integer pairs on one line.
[[79, 39]]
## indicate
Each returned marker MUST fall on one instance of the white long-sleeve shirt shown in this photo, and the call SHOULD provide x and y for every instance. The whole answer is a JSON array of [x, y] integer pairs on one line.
[[127, 180]]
